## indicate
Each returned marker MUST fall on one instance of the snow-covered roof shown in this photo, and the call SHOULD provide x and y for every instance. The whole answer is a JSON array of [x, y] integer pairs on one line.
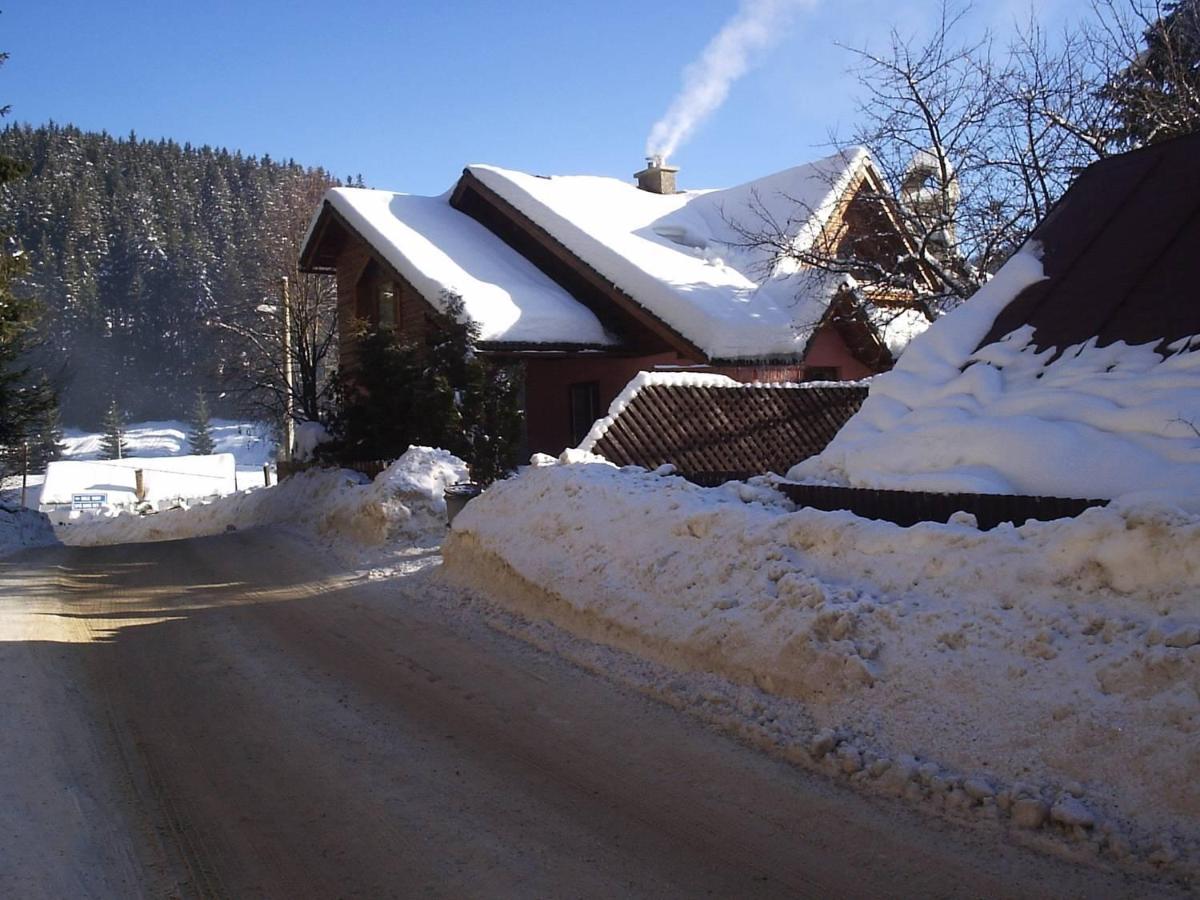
[[440, 250], [708, 424], [1010, 417], [1074, 372], [672, 253]]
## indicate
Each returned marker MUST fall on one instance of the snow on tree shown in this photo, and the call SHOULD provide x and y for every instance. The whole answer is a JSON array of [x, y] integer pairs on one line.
[[137, 247]]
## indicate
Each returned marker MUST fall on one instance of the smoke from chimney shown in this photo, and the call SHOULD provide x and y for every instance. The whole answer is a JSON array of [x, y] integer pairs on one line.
[[757, 25]]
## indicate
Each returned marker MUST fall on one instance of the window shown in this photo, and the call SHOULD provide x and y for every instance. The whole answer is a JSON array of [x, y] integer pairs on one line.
[[585, 409], [821, 373], [385, 304], [376, 302]]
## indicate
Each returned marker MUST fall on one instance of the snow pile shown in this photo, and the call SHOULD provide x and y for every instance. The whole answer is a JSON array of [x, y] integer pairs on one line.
[[404, 502], [1056, 664], [309, 436], [1093, 422], [166, 480], [439, 250], [674, 253], [22, 528]]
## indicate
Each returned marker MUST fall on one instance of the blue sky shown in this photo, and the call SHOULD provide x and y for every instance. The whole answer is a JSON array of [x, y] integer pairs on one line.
[[407, 93]]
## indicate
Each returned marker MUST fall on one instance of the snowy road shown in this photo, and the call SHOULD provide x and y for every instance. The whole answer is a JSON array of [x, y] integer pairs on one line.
[[221, 717]]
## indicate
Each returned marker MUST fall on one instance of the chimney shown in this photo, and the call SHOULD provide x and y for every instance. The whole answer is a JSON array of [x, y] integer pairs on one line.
[[657, 177]]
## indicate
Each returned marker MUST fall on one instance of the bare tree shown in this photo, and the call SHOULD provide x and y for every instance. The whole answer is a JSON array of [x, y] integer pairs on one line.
[[972, 146], [935, 212], [255, 371]]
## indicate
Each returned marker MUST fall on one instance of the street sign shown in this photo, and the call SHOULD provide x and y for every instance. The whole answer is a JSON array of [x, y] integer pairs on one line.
[[88, 501]]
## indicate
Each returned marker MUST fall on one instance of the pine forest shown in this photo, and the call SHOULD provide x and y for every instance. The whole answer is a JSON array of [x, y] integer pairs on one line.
[[141, 255]]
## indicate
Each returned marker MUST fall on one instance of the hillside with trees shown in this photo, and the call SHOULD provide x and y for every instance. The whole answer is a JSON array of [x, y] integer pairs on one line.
[[156, 266]]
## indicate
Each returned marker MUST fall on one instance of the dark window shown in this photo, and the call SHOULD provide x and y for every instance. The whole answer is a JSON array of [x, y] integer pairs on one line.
[[385, 303], [821, 373], [585, 409], [377, 295]]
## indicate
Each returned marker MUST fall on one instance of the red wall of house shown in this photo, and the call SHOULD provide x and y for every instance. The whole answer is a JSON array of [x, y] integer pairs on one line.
[[548, 381], [547, 391], [828, 349]]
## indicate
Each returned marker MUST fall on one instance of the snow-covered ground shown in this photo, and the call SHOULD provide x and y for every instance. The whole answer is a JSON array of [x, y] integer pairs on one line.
[[250, 443], [1044, 679], [1047, 676], [400, 513]]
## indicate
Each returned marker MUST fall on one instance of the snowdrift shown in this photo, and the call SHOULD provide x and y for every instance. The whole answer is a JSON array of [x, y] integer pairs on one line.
[[404, 501], [1048, 675], [23, 528]]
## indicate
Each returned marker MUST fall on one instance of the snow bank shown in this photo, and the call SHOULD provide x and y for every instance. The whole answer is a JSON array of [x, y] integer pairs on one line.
[[22, 528], [1049, 663], [404, 501], [1093, 422]]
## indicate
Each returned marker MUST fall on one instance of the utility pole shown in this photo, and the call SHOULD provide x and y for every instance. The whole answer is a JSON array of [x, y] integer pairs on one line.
[[289, 426], [24, 470]]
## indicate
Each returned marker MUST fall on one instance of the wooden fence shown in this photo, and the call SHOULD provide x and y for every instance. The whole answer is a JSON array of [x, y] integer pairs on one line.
[[910, 507], [736, 428]]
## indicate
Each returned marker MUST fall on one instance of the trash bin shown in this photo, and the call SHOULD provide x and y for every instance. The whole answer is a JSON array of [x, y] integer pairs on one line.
[[457, 496]]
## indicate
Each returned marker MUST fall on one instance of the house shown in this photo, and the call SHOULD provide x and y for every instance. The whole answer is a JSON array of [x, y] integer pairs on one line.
[[1073, 373], [586, 281]]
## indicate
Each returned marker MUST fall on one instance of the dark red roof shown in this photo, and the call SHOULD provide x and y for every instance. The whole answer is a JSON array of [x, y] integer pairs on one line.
[[731, 430], [1121, 252]]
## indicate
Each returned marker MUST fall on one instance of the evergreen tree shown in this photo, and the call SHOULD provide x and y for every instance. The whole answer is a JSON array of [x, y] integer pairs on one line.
[[441, 394], [199, 438], [139, 250], [1157, 94], [23, 401], [112, 446], [379, 419], [45, 438]]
